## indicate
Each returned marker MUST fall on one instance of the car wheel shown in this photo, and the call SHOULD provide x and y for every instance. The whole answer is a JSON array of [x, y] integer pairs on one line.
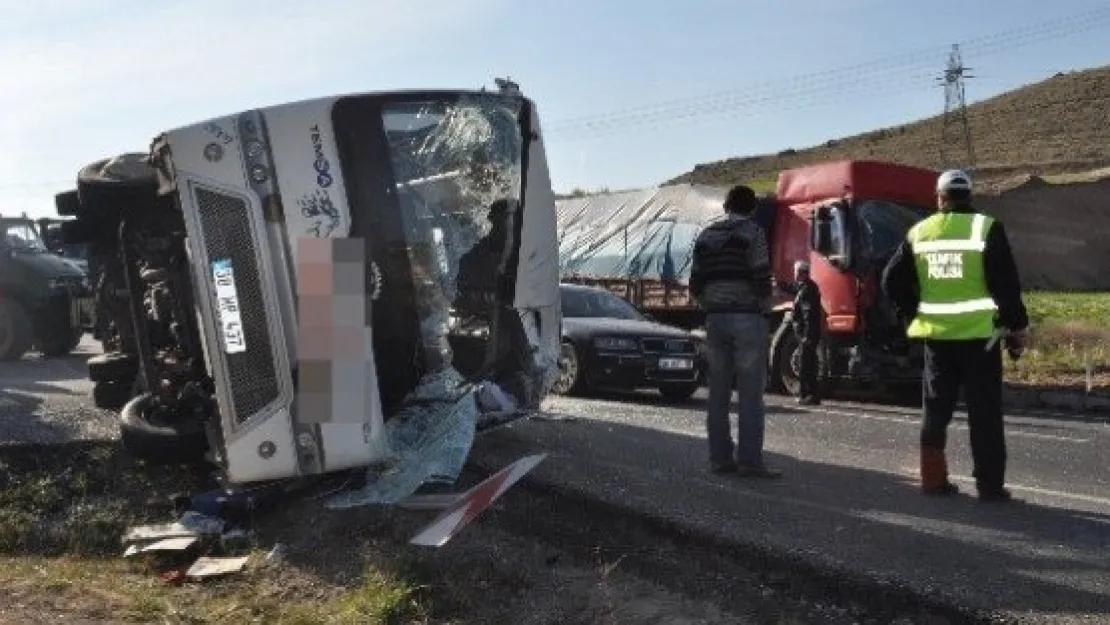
[[571, 378], [678, 392], [148, 435], [15, 330]]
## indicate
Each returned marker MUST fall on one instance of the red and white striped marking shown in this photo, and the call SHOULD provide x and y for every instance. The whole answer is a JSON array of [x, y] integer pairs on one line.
[[470, 504]]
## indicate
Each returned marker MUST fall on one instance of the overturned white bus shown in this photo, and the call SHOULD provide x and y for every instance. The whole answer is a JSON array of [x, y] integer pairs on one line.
[[325, 284]]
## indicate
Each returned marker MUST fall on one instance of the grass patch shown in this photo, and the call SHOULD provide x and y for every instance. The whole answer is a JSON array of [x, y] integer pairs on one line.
[[764, 185], [132, 592], [1070, 333], [63, 512]]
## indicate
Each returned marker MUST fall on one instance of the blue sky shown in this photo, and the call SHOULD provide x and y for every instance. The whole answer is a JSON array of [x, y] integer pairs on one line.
[[83, 80]]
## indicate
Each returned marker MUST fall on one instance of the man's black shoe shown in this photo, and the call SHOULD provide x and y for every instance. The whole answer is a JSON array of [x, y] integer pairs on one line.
[[947, 489], [728, 467], [760, 471], [809, 400], [997, 495]]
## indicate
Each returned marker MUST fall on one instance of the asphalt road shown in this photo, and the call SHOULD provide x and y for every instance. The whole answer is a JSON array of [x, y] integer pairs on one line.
[[848, 500], [48, 400]]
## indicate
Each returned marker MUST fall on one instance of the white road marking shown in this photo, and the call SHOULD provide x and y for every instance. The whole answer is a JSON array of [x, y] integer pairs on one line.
[[1102, 501], [958, 426]]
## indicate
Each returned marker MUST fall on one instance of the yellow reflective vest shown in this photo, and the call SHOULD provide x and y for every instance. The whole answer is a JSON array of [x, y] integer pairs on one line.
[[948, 254]]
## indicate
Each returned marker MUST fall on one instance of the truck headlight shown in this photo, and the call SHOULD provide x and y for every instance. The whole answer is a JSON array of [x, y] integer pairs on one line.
[[616, 344]]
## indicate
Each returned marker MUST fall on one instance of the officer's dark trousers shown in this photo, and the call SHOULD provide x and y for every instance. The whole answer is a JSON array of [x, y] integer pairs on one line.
[[948, 366], [807, 374]]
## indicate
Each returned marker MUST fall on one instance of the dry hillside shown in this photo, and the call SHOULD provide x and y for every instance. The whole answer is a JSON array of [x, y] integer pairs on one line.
[[1058, 125]]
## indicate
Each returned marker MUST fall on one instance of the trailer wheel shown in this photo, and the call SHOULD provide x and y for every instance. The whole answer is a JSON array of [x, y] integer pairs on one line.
[[15, 330], [151, 435]]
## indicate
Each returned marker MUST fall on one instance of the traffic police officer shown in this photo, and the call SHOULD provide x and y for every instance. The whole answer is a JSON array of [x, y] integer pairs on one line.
[[954, 279]]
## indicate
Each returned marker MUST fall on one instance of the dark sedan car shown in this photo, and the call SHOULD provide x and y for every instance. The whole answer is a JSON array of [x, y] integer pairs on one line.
[[609, 344]]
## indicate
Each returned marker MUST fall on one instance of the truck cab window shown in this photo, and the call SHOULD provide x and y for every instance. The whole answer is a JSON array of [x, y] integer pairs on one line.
[[830, 234], [882, 226], [21, 237]]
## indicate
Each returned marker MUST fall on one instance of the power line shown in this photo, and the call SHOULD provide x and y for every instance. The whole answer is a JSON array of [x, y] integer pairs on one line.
[[921, 58], [925, 58], [800, 99], [831, 80]]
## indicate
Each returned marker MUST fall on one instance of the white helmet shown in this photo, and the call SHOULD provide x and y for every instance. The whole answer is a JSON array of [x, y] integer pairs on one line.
[[800, 266], [953, 179]]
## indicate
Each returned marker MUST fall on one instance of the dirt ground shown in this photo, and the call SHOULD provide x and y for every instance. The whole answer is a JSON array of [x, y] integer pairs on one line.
[[64, 509]]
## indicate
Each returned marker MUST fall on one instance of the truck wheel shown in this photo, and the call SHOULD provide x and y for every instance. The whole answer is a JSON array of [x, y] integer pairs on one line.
[[61, 343], [15, 330], [148, 435], [571, 379], [785, 364], [678, 392]]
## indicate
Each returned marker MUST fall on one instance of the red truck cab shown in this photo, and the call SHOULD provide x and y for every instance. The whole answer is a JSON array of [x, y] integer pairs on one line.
[[846, 218]]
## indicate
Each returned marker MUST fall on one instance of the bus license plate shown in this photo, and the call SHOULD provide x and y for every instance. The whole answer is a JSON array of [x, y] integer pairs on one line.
[[227, 302], [676, 363]]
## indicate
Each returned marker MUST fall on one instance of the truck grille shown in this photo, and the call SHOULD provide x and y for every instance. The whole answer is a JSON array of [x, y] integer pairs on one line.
[[252, 381], [669, 346]]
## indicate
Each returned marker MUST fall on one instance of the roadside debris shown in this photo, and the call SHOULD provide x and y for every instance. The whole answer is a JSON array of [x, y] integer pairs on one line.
[[214, 537], [206, 541], [167, 544], [212, 567]]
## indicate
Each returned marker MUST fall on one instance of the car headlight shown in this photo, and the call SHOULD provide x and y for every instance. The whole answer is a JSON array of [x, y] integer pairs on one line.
[[616, 344]]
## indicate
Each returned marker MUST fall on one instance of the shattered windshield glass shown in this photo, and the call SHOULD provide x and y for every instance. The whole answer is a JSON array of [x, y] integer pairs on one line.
[[457, 166]]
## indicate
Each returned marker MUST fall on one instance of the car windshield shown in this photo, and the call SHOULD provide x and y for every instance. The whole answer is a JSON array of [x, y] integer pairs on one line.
[[22, 237], [883, 225], [584, 303]]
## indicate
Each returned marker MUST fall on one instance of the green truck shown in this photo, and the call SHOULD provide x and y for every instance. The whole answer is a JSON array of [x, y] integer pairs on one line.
[[45, 300]]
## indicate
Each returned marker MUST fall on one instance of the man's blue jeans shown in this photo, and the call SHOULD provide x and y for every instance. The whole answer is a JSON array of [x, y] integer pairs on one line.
[[738, 345]]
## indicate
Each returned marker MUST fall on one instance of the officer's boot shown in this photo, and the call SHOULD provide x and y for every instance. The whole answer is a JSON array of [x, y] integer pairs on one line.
[[934, 473]]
